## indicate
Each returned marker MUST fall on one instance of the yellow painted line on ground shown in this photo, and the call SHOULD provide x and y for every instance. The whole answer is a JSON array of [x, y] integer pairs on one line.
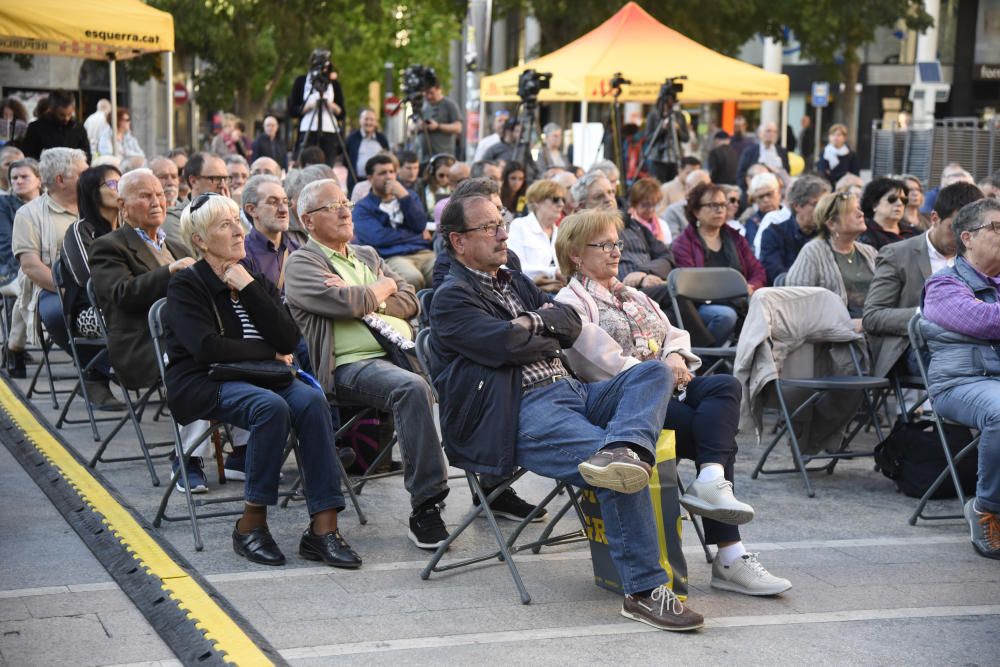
[[208, 616]]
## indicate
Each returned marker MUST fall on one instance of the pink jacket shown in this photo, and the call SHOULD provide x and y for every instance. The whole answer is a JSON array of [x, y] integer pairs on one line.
[[689, 253]]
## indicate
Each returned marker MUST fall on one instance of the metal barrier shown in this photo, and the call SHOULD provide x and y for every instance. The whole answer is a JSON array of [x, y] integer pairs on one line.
[[925, 150]]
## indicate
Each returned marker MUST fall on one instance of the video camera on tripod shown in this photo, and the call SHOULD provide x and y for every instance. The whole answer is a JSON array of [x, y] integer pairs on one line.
[[320, 68], [669, 91], [416, 80], [530, 83]]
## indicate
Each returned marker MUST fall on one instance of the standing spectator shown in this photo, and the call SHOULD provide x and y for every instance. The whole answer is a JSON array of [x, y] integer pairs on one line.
[[723, 160], [122, 144], [269, 144], [551, 153], [807, 139], [781, 243], [13, 122], [231, 140], [740, 140], [318, 129], [170, 179], [883, 203], [533, 236], [96, 123], [838, 158], [365, 142], [914, 202], [56, 128], [238, 171], [500, 117], [442, 122], [25, 185], [504, 150], [766, 152], [8, 155], [39, 228], [514, 186], [709, 242], [391, 220]]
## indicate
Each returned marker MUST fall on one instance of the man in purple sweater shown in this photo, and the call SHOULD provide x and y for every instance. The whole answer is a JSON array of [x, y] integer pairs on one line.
[[961, 309]]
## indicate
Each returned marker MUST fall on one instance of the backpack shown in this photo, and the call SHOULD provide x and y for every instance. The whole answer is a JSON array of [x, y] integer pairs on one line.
[[911, 456]]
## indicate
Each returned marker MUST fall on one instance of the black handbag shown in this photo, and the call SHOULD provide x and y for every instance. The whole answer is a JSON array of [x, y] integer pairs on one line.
[[266, 373]]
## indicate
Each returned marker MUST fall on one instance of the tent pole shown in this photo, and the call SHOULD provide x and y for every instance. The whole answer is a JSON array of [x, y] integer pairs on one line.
[[784, 123], [169, 76], [113, 74]]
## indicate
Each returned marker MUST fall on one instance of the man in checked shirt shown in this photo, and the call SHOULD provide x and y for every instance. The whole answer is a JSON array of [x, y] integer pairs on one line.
[[509, 401]]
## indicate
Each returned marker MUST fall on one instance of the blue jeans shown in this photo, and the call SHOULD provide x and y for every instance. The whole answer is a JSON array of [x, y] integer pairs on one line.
[[977, 404], [562, 425], [719, 319], [268, 416]]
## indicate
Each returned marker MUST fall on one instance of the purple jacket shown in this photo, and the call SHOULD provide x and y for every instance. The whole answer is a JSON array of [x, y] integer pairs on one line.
[[689, 253]]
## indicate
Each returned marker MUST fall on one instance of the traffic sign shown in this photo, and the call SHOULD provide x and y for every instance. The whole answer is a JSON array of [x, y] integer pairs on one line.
[[820, 94], [392, 105], [180, 94]]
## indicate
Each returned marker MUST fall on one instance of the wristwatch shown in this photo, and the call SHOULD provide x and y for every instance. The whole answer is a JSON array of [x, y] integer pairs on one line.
[[381, 308]]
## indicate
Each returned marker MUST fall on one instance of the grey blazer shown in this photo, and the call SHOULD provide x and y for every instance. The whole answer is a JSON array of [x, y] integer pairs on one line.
[[901, 269]]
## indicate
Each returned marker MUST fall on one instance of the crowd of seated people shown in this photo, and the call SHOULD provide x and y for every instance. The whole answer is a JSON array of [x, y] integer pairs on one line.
[[550, 298]]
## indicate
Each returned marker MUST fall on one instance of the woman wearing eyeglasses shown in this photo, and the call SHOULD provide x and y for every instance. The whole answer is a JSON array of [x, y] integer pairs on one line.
[[709, 242], [123, 144], [883, 203], [623, 327], [218, 312], [533, 236]]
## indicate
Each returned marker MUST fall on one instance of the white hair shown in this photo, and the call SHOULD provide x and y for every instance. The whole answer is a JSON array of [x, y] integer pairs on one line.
[[309, 196], [696, 177], [216, 207], [59, 161], [607, 167], [581, 188], [761, 181], [130, 179], [104, 105]]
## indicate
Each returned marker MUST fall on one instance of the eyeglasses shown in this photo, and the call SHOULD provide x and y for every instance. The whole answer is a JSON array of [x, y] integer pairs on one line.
[[111, 184], [733, 200], [491, 228], [715, 206], [892, 199], [992, 224], [607, 246], [216, 180], [202, 199], [335, 207]]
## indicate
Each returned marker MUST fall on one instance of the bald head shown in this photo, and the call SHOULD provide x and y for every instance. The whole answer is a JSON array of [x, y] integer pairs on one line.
[[458, 173], [141, 200], [265, 165], [695, 178], [768, 133]]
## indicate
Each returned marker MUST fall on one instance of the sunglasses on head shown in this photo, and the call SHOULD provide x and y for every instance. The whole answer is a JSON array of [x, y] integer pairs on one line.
[[202, 199]]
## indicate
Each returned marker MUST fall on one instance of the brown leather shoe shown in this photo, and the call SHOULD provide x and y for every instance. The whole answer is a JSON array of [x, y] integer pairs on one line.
[[619, 469], [662, 609]]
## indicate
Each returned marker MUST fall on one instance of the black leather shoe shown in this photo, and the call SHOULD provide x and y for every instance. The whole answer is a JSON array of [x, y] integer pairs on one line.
[[16, 364], [258, 546], [330, 548]]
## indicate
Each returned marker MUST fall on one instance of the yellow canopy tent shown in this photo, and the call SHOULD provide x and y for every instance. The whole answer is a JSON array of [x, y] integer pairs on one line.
[[97, 30], [647, 52]]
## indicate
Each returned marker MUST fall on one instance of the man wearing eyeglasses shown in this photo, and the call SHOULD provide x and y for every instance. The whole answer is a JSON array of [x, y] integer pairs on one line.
[[267, 244], [204, 172], [961, 323], [391, 220], [508, 400], [353, 310]]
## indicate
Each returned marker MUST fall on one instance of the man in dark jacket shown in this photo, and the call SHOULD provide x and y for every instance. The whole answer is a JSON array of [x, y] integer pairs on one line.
[[781, 242], [723, 160], [391, 220], [269, 144], [766, 152], [364, 143], [55, 128], [507, 400]]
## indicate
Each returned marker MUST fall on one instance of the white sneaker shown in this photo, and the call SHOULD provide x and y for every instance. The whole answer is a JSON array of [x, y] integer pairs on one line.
[[715, 500], [746, 575]]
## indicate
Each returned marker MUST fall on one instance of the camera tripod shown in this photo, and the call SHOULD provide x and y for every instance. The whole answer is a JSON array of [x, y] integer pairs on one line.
[[319, 85]]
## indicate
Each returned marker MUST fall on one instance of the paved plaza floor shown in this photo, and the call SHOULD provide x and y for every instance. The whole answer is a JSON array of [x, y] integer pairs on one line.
[[868, 588]]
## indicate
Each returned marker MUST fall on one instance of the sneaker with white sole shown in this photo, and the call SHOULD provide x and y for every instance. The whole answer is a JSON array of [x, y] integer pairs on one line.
[[619, 469], [715, 500], [236, 464], [746, 575], [195, 476]]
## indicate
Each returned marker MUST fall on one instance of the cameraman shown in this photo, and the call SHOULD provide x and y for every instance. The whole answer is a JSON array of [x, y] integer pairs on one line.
[[442, 121], [667, 130], [318, 129]]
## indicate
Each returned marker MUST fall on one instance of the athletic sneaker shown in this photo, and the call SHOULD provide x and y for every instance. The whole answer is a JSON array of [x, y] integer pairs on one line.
[[195, 476], [236, 464], [662, 609], [509, 505], [985, 530], [427, 528], [747, 576], [715, 500], [619, 469]]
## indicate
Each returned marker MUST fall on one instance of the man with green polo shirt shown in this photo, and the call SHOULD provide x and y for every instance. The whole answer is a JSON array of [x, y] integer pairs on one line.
[[353, 312]]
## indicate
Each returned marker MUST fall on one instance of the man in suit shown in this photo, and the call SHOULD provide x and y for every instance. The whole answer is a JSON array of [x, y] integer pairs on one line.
[[901, 270], [365, 143], [130, 268], [766, 152]]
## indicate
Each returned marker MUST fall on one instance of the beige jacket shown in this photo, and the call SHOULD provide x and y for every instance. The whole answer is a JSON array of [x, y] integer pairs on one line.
[[314, 305], [798, 332], [595, 355]]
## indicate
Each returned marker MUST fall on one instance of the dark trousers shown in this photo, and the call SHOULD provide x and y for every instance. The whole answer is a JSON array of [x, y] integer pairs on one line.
[[327, 141], [704, 426], [664, 171]]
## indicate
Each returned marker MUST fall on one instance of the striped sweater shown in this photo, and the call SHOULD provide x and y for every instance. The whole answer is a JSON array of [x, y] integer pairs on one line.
[[816, 267]]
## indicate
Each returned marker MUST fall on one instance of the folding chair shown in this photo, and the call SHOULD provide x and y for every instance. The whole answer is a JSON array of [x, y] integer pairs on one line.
[[424, 296], [45, 348], [920, 346], [134, 412], [818, 387], [706, 285], [506, 547], [75, 343]]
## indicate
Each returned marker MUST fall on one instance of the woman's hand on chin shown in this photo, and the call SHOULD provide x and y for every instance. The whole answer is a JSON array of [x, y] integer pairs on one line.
[[236, 277]]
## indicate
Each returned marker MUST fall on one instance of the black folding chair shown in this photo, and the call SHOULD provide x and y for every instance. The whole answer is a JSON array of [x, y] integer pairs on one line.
[[707, 285], [506, 546], [424, 297], [75, 344], [135, 410], [920, 347], [45, 349]]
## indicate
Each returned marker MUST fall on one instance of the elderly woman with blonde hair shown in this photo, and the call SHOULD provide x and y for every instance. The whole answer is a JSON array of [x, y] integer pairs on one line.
[[533, 236], [623, 327], [217, 312]]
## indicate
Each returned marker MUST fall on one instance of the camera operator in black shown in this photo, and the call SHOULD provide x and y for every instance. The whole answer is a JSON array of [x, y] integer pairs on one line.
[[318, 129], [442, 121], [667, 130]]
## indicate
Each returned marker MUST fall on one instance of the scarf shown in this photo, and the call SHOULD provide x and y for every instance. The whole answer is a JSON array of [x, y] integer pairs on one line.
[[383, 328], [832, 155], [653, 224], [627, 319]]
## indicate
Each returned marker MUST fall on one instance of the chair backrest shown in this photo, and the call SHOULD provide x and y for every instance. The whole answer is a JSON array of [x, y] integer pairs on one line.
[[158, 333], [424, 297], [919, 345], [707, 284]]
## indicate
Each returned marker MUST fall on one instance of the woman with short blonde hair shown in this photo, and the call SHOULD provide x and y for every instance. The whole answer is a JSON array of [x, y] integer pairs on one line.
[[533, 236]]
